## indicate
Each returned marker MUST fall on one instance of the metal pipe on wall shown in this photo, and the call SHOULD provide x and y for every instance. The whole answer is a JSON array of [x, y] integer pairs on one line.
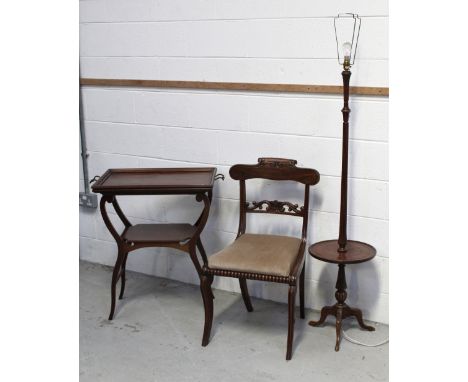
[[87, 198], [84, 150]]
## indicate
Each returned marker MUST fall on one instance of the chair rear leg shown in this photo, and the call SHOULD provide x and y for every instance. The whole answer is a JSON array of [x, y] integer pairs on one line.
[[245, 294], [302, 292], [291, 306], [207, 295]]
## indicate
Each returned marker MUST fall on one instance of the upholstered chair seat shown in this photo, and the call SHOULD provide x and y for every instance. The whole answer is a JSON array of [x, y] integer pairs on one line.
[[253, 253]]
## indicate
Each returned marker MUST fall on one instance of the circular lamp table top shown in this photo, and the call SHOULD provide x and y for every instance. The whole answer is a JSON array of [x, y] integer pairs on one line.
[[357, 252]]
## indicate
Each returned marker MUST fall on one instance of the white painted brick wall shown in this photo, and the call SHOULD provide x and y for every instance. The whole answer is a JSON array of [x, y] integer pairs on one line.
[[271, 41]]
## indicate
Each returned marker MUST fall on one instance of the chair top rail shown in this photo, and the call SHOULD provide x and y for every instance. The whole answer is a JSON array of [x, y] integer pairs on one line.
[[275, 169]]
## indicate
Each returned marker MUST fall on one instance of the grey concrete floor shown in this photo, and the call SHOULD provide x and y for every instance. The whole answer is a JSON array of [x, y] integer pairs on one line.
[[156, 336]]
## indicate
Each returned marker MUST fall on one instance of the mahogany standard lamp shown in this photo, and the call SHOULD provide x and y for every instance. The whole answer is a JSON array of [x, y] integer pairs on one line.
[[343, 251]]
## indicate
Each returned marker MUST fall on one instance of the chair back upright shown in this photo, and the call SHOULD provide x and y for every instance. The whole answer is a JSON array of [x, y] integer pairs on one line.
[[279, 169]]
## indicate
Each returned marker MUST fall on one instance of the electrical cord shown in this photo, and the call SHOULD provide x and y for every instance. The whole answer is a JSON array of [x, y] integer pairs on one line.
[[361, 343]]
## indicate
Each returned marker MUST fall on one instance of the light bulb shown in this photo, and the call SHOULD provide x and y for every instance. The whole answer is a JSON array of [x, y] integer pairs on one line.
[[347, 49]]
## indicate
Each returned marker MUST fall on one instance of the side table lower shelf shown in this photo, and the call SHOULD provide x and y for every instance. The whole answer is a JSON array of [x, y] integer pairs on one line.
[[145, 233]]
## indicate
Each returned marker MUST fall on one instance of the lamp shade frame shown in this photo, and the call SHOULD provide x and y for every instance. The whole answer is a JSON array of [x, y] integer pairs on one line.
[[354, 38]]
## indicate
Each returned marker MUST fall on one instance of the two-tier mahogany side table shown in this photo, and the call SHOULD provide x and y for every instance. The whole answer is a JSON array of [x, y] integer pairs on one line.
[[154, 181], [357, 252]]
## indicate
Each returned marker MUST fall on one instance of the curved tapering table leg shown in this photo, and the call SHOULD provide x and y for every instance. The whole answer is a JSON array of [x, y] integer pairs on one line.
[[339, 318], [120, 245], [195, 241], [122, 278], [204, 258], [324, 313], [208, 304], [115, 279], [245, 294], [120, 213], [202, 251], [358, 314], [301, 292], [205, 280], [291, 306]]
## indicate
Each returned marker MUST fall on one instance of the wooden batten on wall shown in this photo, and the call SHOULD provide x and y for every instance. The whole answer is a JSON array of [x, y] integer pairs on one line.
[[259, 87]]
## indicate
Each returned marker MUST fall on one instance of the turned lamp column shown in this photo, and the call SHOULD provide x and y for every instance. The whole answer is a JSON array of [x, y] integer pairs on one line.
[[342, 238], [341, 285], [343, 251]]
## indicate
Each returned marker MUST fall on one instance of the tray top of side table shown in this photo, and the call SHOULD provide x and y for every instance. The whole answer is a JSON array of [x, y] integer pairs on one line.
[[358, 252], [190, 180]]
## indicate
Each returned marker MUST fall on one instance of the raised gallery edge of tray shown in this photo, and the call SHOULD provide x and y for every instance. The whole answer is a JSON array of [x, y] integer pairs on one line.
[[156, 180]]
